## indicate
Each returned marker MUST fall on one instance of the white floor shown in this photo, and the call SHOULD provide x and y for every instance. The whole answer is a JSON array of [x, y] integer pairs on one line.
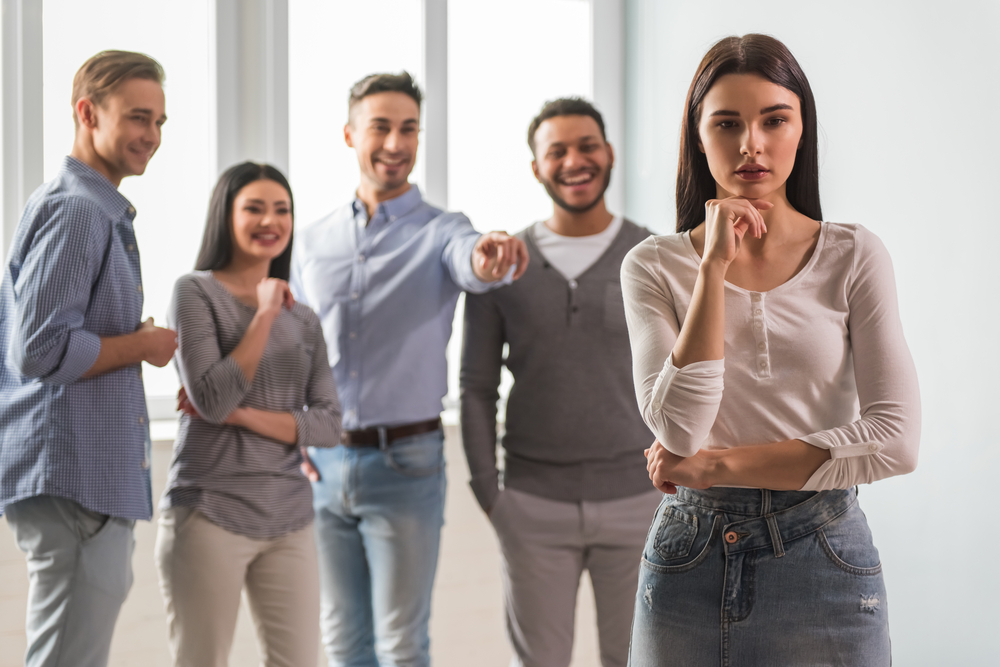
[[467, 620]]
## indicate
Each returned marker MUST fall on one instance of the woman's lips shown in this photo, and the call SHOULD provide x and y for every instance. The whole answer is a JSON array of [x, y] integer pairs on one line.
[[752, 174]]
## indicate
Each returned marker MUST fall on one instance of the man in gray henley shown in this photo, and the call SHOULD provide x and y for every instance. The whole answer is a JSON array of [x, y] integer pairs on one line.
[[575, 492]]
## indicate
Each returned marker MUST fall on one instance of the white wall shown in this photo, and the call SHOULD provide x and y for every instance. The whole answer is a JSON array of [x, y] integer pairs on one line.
[[907, 95]]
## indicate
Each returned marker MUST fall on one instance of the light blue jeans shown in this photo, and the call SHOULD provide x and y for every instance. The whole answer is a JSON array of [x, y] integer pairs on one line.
[[755, 578], [79, 573], [379, 513]]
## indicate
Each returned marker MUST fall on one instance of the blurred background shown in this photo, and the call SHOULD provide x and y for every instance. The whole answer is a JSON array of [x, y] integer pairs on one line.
[[905, 90]]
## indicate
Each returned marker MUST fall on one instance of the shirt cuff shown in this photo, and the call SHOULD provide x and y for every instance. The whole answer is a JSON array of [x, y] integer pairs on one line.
[[82, 349], [477, 286], [825, 440]]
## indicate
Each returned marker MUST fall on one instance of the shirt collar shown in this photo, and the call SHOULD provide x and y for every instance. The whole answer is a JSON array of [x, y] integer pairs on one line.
[[397, 207], [105, 193]]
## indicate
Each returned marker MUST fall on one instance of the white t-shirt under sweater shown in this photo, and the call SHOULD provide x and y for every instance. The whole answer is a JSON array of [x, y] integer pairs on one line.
[[572, 255], [820, 358]]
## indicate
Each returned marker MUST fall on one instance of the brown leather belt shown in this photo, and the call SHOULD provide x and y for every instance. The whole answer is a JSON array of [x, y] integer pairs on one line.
[[368, 437]]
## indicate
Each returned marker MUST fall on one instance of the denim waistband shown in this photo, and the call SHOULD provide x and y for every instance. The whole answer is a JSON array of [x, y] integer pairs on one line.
[[773, 517]]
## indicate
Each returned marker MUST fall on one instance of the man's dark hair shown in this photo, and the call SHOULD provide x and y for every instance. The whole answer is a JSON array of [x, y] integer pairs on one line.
[[564, 106], [384, 83]]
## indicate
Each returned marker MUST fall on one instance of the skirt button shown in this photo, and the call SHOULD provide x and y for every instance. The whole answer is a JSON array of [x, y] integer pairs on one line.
[[732, 537]]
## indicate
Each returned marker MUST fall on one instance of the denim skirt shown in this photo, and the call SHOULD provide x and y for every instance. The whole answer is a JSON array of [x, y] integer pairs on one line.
[[758, 578]]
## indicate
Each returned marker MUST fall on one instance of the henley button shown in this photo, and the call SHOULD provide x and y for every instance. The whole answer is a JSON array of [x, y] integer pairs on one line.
[[145, 464], [361, 259], [758, 325], [873, 448], [139, 287], [392, 218], [761, 346], [354, 374], [755, 297], [354, 295], [142, 420], [572, 284], [732, 537], [763, 365], [130, 247], [352, 335], [131, 210], [758, 312]]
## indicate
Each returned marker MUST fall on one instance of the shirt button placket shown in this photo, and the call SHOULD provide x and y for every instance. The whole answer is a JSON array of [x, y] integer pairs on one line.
[[758, 314], [353, 390]]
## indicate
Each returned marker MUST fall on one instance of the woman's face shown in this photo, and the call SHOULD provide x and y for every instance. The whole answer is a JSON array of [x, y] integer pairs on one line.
[[750, 130], [262, 220]]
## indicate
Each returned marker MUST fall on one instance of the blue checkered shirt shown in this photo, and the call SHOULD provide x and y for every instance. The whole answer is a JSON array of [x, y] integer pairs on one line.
[[72, 277]]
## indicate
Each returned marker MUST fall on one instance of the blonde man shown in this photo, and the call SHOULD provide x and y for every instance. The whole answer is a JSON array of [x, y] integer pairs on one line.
[[74, 434]]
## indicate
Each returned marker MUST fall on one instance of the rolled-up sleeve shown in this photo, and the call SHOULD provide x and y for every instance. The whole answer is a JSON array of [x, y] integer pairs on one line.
[[320, 424], [52, 291], [885, 440], [679, 405], [215, 384]]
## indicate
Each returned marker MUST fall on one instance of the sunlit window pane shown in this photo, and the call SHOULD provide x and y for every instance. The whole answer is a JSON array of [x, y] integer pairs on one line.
[[332, 44], [172, 196], [504, 61]]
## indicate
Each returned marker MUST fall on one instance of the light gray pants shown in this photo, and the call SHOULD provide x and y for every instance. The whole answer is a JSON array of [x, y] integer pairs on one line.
[[79, 573], [203, 568], [545, 546]]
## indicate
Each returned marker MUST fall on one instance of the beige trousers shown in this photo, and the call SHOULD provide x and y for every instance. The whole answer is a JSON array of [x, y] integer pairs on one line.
[[203, 568]]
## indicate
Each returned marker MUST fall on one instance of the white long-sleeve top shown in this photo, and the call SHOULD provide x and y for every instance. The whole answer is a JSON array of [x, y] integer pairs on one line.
[[820, 358]]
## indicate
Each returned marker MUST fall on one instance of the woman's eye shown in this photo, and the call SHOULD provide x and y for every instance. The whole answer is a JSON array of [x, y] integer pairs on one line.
[[776, 121], [727, 124]]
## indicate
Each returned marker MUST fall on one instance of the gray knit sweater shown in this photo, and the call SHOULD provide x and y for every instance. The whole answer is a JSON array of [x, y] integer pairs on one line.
[[573, 429]]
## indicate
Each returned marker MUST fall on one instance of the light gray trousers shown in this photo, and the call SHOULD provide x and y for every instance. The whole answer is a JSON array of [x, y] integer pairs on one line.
[[79, 573], [545, 546]]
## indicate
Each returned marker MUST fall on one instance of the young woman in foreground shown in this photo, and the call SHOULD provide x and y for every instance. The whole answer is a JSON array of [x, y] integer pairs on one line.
[[770, 363], [257, 387]]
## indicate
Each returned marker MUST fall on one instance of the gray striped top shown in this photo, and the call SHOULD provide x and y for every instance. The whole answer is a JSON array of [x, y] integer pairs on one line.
[[242, 481]]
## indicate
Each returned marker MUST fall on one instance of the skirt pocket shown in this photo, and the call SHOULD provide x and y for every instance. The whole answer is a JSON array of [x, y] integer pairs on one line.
[[682, 538]]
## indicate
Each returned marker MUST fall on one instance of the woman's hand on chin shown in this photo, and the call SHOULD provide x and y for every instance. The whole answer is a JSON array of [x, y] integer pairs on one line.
[[727, 221], [667, 470]]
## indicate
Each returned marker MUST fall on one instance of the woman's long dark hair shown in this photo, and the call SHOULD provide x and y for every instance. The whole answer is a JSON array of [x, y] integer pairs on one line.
[[769, 58], [217, 243]]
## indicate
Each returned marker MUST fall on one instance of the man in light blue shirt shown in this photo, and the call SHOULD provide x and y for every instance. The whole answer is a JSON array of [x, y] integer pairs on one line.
[[74, 435], [384, 274]]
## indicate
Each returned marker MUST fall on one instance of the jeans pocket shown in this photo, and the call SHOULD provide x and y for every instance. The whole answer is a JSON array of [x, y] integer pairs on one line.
[[675, 534], [847, 542], [681, 539], [420, 456]]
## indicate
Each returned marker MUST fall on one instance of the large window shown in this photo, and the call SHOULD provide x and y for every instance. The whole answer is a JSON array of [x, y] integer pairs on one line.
[[172, 196], [331, 46], [504, 62]]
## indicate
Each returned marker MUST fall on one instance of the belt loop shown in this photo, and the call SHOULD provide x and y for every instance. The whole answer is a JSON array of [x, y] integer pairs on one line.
[[383, 438], [772, 527], [765, 502]]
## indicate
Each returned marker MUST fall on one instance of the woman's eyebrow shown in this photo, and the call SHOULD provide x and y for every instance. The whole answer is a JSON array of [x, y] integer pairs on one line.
[[777, 107]]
